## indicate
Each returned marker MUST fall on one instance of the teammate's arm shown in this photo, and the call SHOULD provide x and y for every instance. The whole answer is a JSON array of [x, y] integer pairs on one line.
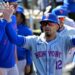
[[2, 28], [28, 57], [28, 62], [12, 36]]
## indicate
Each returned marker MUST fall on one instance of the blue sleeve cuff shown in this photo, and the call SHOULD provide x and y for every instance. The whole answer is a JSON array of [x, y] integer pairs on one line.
[[12, 35], [28, 57]]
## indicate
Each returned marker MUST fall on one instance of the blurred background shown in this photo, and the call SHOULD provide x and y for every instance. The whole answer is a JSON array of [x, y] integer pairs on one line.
[[34, 9]]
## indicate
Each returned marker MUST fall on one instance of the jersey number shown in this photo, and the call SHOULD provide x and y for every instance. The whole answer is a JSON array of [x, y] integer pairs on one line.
[[59, 64]]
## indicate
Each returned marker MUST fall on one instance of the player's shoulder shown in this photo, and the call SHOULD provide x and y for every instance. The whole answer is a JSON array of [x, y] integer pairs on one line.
[[69, 22], [69, 27], [64, 36], [69, 19]]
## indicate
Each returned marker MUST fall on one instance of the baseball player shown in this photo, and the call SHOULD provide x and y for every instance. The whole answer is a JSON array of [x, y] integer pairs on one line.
[[63, 12], [64, 30], [7, 49], [48, 50], [24, 55]]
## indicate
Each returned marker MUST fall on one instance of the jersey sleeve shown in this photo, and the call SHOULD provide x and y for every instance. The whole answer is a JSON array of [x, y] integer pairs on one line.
[[2, 28], [69, 43], [12, 35], [29, 42], [25, 42], [28, 57]]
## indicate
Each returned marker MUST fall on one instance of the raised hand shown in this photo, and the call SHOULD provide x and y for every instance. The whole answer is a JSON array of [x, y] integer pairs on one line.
[[7, 11]]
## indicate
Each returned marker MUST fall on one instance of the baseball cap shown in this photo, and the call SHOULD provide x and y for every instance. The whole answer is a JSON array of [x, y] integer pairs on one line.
[[20, 9], [10, 0], [50, 17], [60, 11]]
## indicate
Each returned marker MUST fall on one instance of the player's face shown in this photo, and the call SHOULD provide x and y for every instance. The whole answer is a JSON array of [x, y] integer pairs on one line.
[[49, 28], [19, 18], [61, 19]]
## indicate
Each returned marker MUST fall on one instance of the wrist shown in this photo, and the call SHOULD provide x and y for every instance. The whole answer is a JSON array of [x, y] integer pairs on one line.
[[9, 20]]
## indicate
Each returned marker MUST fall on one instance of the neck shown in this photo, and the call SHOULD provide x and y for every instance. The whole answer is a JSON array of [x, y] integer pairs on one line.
[[50, 37], [61, 28]]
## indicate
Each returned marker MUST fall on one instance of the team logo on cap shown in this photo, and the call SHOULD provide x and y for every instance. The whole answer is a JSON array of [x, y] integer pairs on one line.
[[61, 11], [47, 16]]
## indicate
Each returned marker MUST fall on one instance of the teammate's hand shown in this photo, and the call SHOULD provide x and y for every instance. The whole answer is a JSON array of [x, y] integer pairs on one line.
[[7, 11], [27, 69]]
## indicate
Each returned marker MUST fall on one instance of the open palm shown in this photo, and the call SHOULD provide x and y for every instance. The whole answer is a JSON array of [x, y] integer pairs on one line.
[[7, 11]]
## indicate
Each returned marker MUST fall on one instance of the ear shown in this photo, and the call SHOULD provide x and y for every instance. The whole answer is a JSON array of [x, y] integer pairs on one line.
[[41, 28], [57, 27]]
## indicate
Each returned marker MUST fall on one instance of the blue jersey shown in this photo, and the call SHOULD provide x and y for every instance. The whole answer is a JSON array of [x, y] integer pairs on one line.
[[70, 5], [69, 1], [2, 28], [7, 52], [22, 52]]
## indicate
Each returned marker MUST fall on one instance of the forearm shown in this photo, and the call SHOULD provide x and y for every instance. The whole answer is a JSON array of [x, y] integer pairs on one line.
[[12, 36], [16, 58], [2, 28], [28, 57]]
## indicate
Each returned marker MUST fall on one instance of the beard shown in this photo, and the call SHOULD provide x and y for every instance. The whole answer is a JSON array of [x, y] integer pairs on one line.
[[47, 34]]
